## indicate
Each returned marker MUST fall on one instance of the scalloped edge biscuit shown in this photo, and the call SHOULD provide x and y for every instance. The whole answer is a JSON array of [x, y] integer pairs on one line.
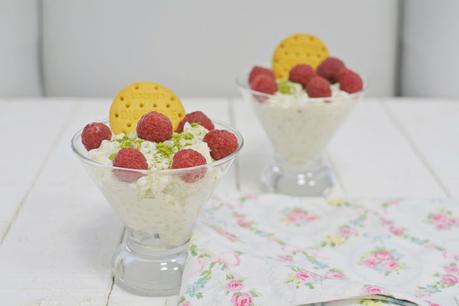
[[139, 98], [299, 48]]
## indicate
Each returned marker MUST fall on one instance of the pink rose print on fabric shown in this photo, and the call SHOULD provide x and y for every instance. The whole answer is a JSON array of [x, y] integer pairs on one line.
[[234, 285], [347, 231], [373, 290], [397, 231], [452, 268], [385, 221], [285, 258], [394, 230], [382, 255], [297, 216], [242, 221], [303, 276], [392, 265], [371, 263], [382, 260], [334, 274], [442, 220], [300, 277], [227, 235], [447, 278], [242, 299], [344, 233]]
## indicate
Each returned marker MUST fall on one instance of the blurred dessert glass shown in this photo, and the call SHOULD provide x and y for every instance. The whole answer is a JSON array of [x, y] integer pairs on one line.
[[299, 128]]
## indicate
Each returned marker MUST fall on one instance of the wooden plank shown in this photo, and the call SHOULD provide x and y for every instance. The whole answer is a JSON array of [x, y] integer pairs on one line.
[[432, 128], [30, 128], [59, 247], [216, 109], [119, 297], [373, 158]]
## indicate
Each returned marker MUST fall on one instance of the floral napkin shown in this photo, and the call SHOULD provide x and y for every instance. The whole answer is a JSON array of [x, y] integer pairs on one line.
[[277, 250]]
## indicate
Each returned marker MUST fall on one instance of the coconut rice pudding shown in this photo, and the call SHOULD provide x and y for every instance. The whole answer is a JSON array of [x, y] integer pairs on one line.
[[300, 127], [157, 170], [157, 203], [303, 99]]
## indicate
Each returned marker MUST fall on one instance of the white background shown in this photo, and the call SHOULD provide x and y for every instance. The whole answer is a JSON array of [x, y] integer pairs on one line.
[[95, 47]]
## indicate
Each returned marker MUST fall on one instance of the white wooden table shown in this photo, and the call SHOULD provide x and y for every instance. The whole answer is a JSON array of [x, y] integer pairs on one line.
[[57, 233]]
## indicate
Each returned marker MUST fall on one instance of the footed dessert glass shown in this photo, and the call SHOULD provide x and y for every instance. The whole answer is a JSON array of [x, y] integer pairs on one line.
[[158, 209], [299, 129]]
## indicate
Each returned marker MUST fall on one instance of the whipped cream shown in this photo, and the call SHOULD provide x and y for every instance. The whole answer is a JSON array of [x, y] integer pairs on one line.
[[158, 155]]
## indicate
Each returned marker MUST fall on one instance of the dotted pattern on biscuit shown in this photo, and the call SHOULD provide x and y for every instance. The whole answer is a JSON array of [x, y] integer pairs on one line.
[[297, 49], [137, 99]]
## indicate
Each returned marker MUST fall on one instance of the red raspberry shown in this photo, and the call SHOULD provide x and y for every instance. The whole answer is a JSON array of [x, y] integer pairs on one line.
[[196, 117], [330, 69], [257, 70], [221, 143], [187, 158], [301, 74], [318, 87], [129, 158], [349, 81], [93, 134], [155, 127], [264, 83]]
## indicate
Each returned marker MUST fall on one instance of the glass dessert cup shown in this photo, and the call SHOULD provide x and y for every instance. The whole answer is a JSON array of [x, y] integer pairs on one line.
[[299, 129], [158, 209]]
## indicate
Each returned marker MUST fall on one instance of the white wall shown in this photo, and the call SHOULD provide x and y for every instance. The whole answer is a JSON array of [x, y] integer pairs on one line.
[[431, 48], [19, 40], [94, 47]]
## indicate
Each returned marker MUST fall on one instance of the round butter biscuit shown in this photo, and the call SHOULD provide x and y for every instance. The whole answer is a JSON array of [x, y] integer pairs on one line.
[[298, 49], [137, 99]]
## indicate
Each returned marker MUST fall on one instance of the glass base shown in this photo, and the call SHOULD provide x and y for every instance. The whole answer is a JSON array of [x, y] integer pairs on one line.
[[142, 268], [310, 180]]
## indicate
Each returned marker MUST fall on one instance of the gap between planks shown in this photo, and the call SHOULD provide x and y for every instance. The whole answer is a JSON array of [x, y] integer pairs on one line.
[[405, 134], [232, 117], [43, 164], [107, 302]]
